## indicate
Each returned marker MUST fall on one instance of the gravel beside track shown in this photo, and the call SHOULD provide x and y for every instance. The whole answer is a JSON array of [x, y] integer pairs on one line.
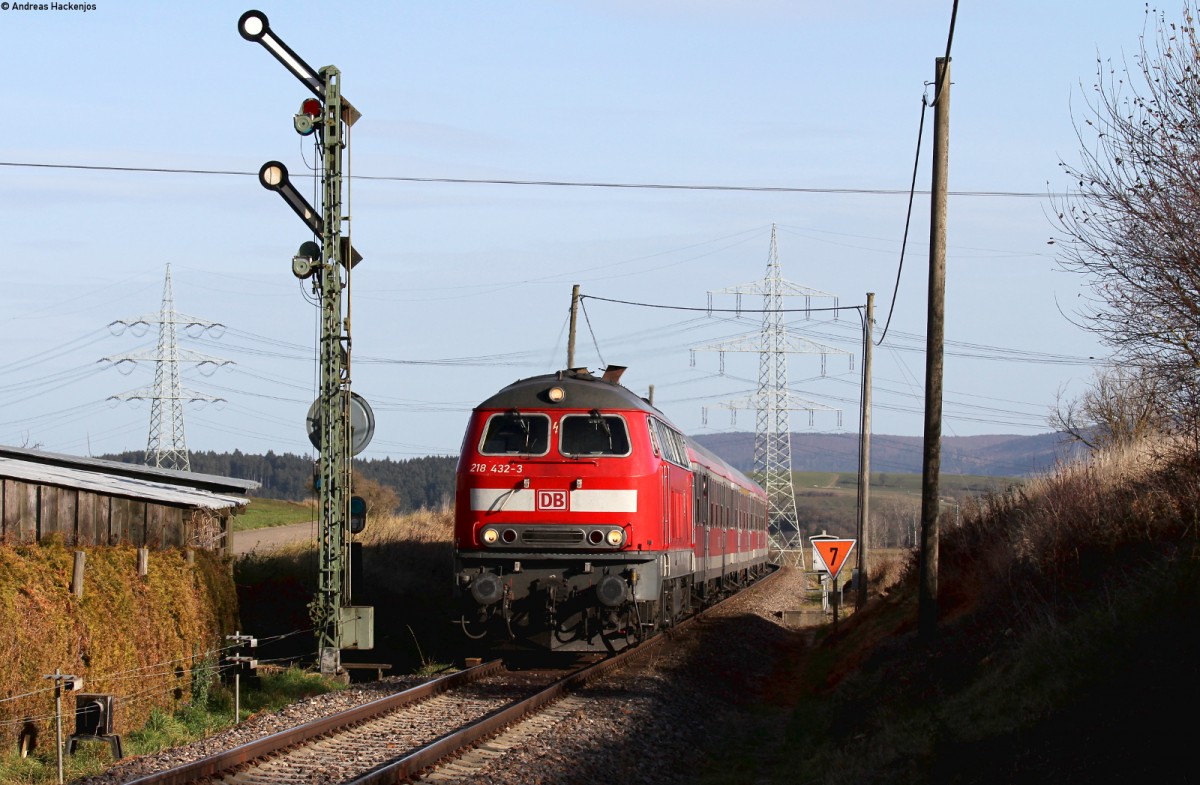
[[654, 722], [649, 723], [256, 727]]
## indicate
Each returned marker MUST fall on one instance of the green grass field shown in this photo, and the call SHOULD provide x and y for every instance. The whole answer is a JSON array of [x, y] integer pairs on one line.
[[261, 513]]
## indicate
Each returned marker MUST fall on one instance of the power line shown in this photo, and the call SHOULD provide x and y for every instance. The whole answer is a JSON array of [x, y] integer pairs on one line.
[[718, 310], [966, 349], [555, 183]]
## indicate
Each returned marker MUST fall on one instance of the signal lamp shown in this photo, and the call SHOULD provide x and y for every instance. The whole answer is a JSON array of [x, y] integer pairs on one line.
[[305, 121], [273, 175], [253, 26], [556, 394], [489, 536], [616, 537], [306, 260]]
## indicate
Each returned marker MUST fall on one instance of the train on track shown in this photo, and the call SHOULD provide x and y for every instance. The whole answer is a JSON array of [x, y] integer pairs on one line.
[[585, 521]]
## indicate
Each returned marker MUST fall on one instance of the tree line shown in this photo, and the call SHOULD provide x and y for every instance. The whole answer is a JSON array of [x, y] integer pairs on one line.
[[426, 482]]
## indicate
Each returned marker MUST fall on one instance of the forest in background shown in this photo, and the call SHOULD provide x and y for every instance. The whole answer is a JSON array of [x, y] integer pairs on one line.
[[419, 483], [428, 482]]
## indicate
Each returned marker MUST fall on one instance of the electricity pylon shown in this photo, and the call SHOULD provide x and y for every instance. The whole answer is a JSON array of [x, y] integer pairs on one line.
[[166, 446], [773, 401]]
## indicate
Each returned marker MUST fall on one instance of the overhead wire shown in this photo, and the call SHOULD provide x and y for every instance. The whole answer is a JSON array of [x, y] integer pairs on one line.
[[552, 183], [907, 222], [916, 159]]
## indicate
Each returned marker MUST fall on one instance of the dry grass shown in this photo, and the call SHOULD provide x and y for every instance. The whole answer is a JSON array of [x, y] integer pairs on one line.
[[425, 526], [888, 566], [1068, 622], [1033, 550], [406, 575]]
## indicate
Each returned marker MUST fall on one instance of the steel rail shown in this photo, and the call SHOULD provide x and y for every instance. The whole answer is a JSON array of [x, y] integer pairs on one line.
[[442, 747], [223, 761], [429, 755]]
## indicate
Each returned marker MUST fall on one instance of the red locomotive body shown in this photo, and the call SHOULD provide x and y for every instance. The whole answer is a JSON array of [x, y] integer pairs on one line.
[[585, 521]]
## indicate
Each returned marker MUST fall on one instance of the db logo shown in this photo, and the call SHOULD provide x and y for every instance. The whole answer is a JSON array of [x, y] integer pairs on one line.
[[551, 500]]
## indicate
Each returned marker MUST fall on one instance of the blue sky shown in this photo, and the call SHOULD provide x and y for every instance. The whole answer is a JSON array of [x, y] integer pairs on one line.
[[466, 287]]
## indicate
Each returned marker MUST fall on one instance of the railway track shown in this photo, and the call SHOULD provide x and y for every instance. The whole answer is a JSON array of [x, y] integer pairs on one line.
[[408, 735]]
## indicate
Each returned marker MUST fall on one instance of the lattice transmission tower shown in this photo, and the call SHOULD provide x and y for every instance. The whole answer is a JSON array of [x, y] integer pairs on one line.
[[166, 446], [773, 401]]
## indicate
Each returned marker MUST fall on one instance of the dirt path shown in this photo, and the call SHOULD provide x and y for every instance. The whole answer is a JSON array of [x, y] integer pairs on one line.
[[273, 537]]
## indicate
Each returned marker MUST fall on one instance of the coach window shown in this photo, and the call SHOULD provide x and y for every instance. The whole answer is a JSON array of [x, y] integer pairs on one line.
[[514, 433], [593, 434]]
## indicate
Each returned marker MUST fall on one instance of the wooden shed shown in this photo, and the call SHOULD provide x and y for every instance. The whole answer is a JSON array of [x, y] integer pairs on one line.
[[89, 501]]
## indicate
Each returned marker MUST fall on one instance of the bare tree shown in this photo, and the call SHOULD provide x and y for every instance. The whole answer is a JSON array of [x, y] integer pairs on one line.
[[380, 499], [1133, 226], [893, 523], [1123, 405]]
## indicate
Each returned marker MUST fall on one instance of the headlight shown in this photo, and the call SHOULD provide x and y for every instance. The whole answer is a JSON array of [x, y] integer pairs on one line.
[[489, 536], [616, 537]]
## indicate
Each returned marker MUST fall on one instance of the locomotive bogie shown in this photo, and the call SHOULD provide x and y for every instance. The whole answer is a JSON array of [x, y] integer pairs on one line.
[[557, 602]]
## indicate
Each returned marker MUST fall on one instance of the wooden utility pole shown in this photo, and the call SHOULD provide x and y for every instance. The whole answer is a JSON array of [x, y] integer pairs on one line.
[[571, 330], [864, 457], [927, 609]]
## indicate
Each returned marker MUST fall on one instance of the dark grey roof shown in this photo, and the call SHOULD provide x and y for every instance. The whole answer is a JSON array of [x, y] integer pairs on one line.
[[583, 391]]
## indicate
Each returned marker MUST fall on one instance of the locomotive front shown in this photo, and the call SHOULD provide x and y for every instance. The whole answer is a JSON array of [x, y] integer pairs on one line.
[[554, 520]]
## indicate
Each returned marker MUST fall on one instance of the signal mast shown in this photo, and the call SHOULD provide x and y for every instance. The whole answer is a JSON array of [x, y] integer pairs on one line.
[[327, 260]]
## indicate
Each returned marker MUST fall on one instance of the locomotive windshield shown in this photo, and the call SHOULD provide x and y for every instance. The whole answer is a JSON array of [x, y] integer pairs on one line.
[[513, 433], [594, 434]]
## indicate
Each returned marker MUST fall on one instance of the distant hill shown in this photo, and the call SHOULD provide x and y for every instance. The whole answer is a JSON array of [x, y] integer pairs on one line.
[[993, 456], [429, 482]]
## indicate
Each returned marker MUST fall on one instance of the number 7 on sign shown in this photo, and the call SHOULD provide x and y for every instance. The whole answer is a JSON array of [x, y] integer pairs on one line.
[[832, 554]]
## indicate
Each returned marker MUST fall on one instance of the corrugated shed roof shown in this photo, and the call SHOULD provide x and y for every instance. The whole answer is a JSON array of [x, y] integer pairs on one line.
[[133, 487], [209, 482]]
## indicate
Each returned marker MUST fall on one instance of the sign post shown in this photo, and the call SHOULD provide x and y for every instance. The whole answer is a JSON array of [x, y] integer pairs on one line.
[[830, 554]]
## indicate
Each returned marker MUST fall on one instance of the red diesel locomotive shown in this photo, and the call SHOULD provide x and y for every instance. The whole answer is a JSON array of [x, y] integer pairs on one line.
[[585, 521]]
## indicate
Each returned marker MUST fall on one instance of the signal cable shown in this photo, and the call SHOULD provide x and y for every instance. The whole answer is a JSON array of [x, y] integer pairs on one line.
[[912, 190], [588, 319]]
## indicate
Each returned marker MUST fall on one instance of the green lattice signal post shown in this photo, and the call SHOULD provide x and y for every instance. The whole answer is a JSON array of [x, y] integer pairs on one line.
[[329, 117]]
